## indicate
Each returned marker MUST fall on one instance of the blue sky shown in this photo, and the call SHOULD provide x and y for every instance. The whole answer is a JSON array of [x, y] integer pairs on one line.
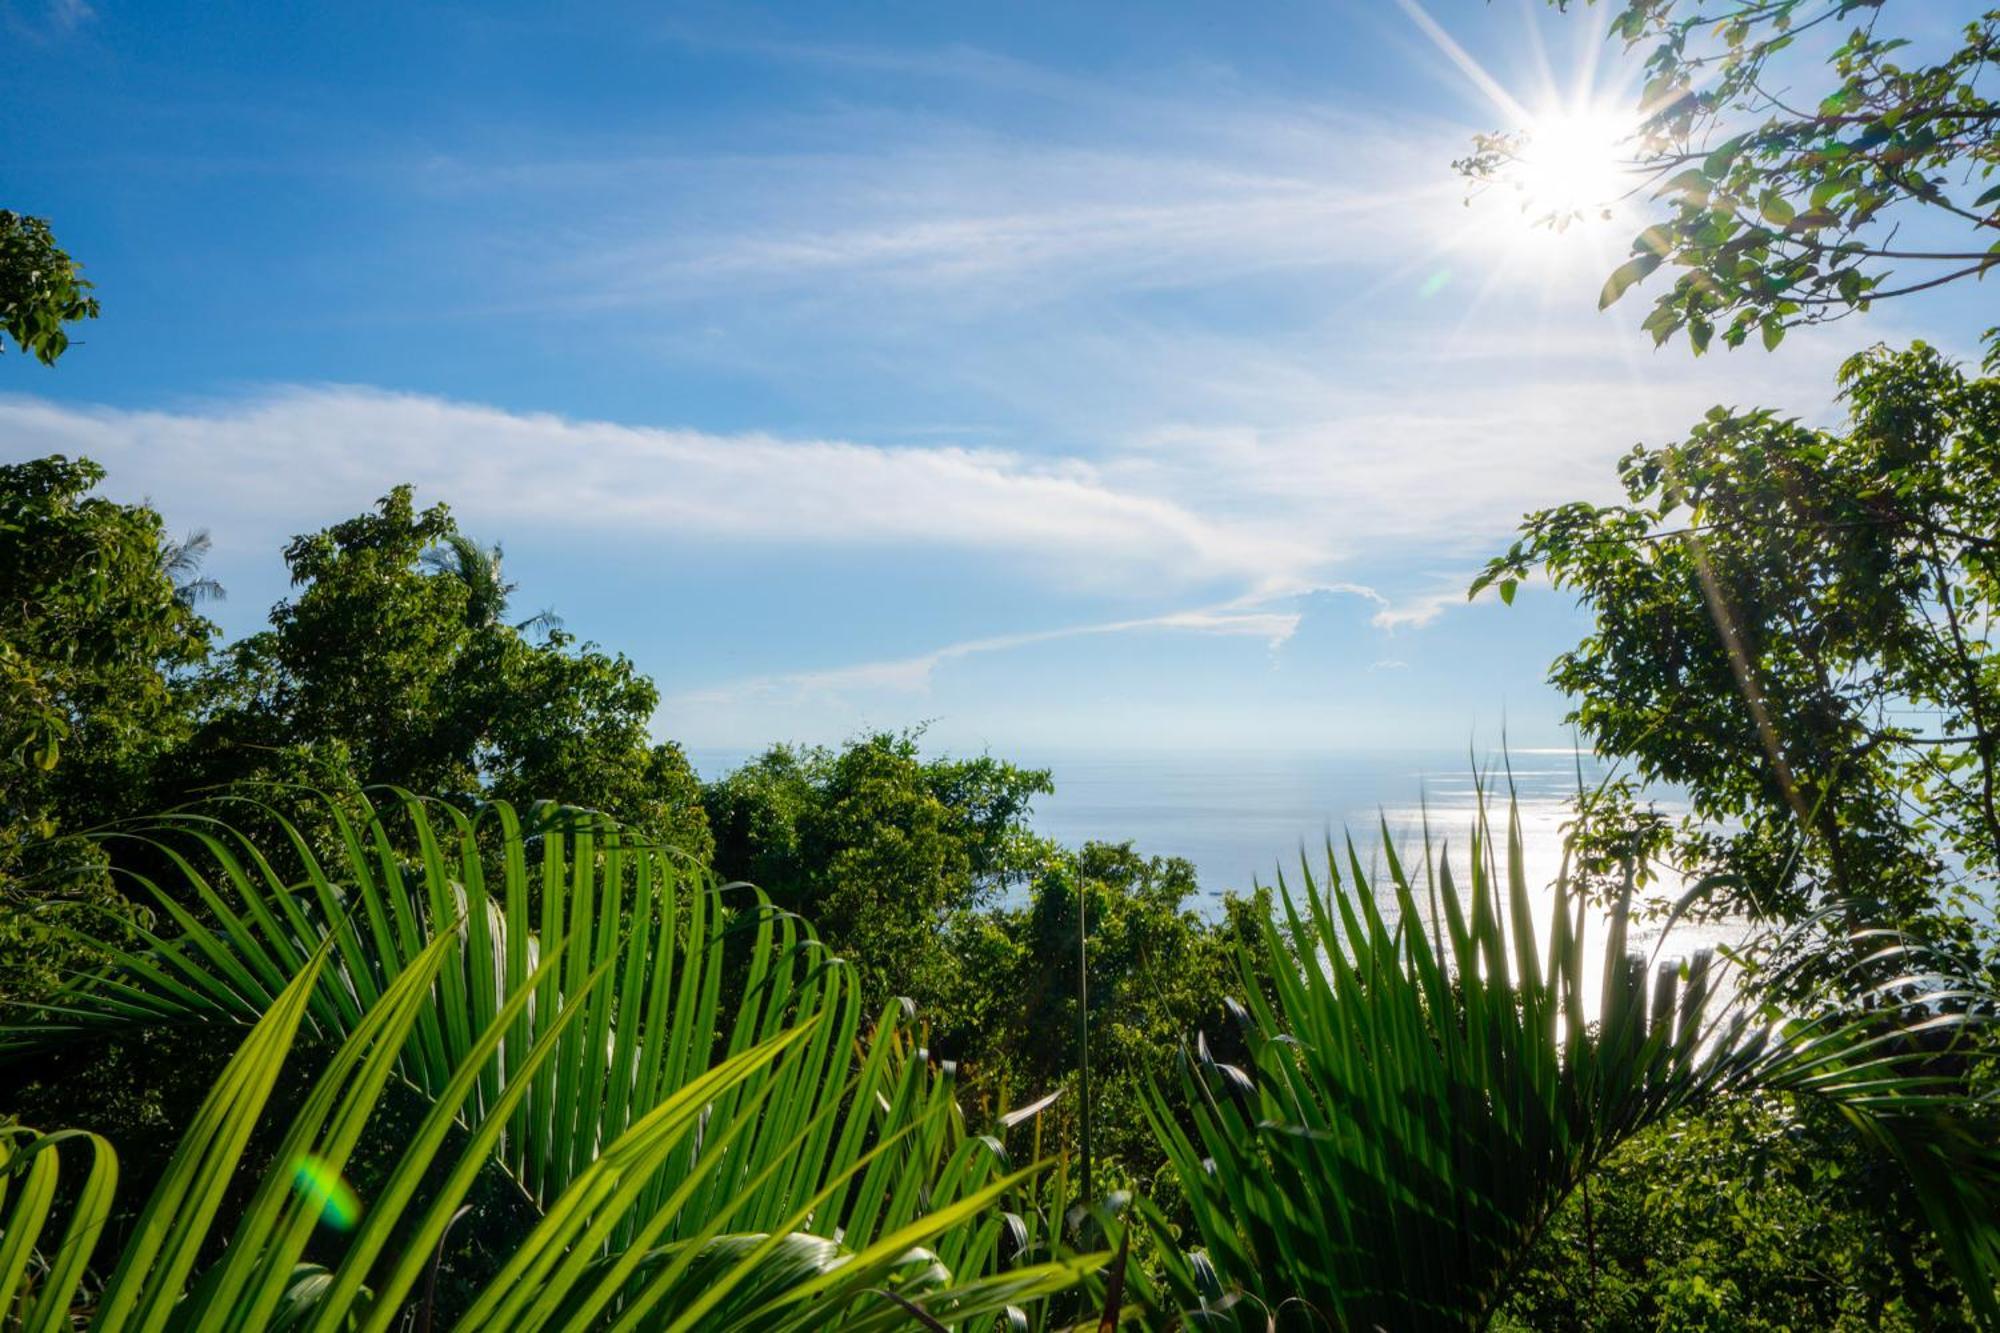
[[1095, 375]]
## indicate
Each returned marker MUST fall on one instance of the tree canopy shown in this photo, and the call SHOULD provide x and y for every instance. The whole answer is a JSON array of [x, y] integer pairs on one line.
[[41, 288], [96, 644], [1797, 625], [876, 844], [388, 667]]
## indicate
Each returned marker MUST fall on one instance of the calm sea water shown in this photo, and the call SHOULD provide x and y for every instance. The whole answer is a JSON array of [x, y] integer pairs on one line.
[[1245, 818], [1242, 817]]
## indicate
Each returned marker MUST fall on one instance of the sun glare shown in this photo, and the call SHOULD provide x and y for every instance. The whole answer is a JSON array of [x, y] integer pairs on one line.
[[1572, 163]]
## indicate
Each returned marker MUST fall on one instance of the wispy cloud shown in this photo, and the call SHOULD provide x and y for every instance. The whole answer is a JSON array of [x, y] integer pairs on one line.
[[1129, 188], [261, 468], [1318, 472], [1420, 610], [45, 22], [914, 674]]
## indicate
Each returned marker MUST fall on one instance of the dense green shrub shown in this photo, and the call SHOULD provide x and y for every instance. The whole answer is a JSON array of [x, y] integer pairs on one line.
[[1758, 1215]]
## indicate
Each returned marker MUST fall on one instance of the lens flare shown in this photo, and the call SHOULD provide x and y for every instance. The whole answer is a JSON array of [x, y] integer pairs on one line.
[[321, 1186], [1571, 162]]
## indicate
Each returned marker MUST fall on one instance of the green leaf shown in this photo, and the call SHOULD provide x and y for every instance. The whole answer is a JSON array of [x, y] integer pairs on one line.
[[1716, 165], [586, 1084], [1624, 276], [1426, 1086]]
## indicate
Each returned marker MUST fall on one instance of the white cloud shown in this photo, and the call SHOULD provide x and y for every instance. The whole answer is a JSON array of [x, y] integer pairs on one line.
[[1416, 612], [1060, 224], [1024, 276], [293, 458], [1438, 461], [914, 674]]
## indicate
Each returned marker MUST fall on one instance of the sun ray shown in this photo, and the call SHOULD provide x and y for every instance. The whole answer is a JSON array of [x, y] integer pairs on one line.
[[1491, 87]]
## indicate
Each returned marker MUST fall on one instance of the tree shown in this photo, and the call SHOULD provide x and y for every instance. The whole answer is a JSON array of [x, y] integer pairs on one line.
[[182, 560], [40, 289], [1156, 971], [390, 667], [1797, 626], [924, 874], [1760, 1215], [96, 646], [878, 846], [1783, 207], [487, 592]]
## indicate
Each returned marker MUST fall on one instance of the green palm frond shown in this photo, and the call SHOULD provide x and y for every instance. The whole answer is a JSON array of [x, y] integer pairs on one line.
[[39, 1285], [478, 568], [173, 1275], [1426, 1086], [680, 1079]]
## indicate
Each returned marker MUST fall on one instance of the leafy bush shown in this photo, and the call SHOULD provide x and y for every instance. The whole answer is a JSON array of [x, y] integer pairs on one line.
[[1758, 1214]]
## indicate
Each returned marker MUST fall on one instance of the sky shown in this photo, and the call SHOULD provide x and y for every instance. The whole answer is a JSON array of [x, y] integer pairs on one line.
[[1111, 375]]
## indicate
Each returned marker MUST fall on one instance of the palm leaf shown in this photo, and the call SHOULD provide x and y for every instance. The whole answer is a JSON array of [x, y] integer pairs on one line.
[[1425, 1090], [662, 1064]]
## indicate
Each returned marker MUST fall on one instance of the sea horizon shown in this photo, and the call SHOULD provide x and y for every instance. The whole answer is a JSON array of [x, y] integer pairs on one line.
[[1243, 815]]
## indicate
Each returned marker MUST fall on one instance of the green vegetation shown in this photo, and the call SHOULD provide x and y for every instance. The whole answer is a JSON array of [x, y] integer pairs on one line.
[[441, 996], [393, 663], [660, 1101], [1427, 1086], [878, 847], [1797, 626], [925, 876], [96, 641], [41, 291], [1784, 204], [1758, 1214], [764, 1158]]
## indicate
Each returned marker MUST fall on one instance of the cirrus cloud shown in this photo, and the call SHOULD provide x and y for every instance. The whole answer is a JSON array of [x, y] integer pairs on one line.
[[294, 457]]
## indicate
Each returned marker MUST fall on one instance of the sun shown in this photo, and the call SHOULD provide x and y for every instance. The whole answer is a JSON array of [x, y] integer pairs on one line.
[[1571, 163]]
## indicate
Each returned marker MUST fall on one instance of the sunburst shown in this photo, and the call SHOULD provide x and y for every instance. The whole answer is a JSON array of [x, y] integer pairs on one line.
[[1573, 162]]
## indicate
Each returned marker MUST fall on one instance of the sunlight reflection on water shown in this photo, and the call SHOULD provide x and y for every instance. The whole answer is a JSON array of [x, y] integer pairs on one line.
[[1242, 818]]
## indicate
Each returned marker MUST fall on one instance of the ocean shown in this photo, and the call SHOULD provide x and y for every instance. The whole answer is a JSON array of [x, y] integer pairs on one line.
[[1244, 817]]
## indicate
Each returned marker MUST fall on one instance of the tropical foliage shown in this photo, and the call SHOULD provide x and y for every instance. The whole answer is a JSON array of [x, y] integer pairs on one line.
[[1796, 626], [1427, 1084], [394, 663], [96, 638], [1758, 1214], [925, 874], [488, 1064], [879, 846], [1154, 969], [677, 1081], [41, 288]]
